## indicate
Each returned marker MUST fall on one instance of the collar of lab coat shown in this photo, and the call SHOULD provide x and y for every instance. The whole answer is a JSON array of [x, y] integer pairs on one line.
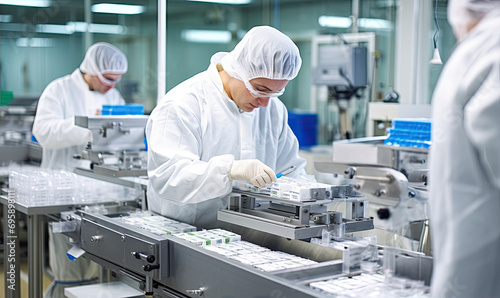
[[489, 22], [77, 77], [213, 73]]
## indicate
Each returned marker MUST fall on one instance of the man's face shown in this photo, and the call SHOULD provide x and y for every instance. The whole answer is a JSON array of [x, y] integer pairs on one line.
[[104, 85], [257, 94]]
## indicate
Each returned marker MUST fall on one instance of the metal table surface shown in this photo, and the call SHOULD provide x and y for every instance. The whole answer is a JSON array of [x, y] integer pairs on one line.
[[36, 219], [132, 181]]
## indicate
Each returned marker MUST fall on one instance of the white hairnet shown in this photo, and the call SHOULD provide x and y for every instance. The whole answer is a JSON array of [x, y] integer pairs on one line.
[[264, 52], [464, 13], [103, 57]]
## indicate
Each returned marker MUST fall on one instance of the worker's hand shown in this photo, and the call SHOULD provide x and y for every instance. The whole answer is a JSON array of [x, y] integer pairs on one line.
[[252, 170]]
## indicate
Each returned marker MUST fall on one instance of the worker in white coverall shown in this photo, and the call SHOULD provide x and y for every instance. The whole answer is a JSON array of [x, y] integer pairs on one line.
[[465, 157], [223, 124], [83, 93]]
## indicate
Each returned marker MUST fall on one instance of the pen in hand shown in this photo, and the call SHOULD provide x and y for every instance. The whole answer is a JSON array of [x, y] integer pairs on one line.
[[285, 172]]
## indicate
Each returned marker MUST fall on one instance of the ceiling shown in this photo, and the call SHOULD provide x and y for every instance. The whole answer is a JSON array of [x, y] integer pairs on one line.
[[61, 11], [24, 19]]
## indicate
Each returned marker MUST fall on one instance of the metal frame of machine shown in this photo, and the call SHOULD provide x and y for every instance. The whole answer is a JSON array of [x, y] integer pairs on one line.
[[294, 220], [169, 266], [116, 144], [15, 135]]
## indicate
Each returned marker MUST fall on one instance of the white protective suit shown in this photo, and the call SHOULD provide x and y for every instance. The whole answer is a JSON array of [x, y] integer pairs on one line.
[[60, 139], [54, 126], [465, 166], [196, 132]]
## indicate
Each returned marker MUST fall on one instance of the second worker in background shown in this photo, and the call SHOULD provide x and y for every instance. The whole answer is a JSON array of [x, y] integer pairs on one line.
[[82, 93]]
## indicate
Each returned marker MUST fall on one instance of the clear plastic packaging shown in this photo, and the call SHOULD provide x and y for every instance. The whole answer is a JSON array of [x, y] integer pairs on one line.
[[42, 187]]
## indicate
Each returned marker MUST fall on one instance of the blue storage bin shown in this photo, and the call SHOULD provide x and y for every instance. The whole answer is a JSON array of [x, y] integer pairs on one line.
[[304, 126], [128, 109]]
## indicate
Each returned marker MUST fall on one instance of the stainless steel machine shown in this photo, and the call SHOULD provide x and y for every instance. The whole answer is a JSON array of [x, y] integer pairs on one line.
[[117, 147], [15, 136], [393, 178], [290, 219], [163, 264], [298, 219]]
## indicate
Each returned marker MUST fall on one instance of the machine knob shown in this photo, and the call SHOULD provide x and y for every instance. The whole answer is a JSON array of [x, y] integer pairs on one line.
[[383, 213], [96, 238], [198, 292], [140, 255], [150, 267]]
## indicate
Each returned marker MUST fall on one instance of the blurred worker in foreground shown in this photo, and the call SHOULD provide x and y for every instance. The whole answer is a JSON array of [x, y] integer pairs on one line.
[[80, 94], [465, 157], [223, 124]]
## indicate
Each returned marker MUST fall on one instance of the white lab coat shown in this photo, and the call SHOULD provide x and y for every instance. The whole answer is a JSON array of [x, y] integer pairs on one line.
[[60, 139], [196, 132], [465, 167], [54, 128]]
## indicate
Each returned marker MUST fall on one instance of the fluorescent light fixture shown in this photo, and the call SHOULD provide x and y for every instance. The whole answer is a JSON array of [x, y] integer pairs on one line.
[[76, 26], [117, 8], [344, 22], [35, 42], [72, 27], [54, 29], [206, 36], [5, 18], [374, 24], [233, 2], [334, 22], [95, 28], [33, 3]]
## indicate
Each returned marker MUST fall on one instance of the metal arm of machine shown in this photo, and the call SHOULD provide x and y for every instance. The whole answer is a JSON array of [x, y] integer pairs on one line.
[[293, 219], [116, 144], [384, 186]]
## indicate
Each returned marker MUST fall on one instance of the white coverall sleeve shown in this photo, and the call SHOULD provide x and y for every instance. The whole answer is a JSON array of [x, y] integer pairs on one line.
[[50, 128], [482, 122], [175, 170]]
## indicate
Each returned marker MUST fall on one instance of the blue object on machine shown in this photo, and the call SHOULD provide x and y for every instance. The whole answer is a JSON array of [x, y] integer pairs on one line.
[[128, 109], [304, 126], [410, 133], [285, 172]]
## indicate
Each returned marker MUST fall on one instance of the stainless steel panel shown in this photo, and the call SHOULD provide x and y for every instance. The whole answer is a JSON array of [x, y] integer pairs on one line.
[[132, 244], [17, 153], [414, 267], [102, 241], [364, 154], [115, 171], [194, 268]]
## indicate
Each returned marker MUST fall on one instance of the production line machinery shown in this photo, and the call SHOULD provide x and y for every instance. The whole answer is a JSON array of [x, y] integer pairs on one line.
[[303, 218], [393, 179], [117, 147], [15, 136], [165, 258]]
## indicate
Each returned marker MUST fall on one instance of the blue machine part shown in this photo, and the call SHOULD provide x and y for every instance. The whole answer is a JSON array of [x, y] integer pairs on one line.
[[410, 133]]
